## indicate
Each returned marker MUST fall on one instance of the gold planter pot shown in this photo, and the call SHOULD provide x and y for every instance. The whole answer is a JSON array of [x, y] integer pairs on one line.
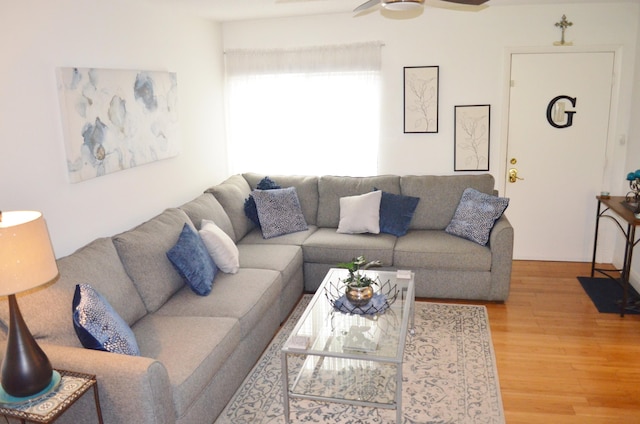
[[359, 296]]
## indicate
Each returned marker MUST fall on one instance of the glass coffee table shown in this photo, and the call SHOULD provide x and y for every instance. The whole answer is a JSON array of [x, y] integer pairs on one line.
[[350, 358]]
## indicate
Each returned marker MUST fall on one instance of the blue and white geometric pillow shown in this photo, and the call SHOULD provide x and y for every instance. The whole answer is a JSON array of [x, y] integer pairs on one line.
[[279, 211], [98, 325], [476, 214]]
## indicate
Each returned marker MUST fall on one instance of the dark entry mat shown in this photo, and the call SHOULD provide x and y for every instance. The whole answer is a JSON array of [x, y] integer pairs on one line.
[[606, 294]]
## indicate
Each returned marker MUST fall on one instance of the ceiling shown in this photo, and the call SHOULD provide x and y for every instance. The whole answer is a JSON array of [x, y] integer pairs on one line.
[[233, 10]]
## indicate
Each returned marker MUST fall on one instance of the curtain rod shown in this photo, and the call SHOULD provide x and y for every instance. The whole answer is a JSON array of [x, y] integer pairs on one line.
[[381, 44]]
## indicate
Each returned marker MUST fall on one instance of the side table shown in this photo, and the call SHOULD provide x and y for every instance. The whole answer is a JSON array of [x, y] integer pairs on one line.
[[47, 408], [622, 215]]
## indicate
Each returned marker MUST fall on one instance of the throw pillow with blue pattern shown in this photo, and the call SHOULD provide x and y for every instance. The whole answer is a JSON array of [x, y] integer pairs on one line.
[[193, 262], [476, 214], [250, 209], [279, 211], [98, 325]]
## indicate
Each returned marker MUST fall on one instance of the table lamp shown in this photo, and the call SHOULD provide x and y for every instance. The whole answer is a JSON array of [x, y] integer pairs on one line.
[[26, 261]]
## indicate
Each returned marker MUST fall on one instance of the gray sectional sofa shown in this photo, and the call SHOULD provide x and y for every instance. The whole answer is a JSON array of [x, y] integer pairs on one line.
[[196, 350]]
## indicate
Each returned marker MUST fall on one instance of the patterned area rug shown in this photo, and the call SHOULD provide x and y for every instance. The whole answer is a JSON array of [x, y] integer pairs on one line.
[[449, 376]]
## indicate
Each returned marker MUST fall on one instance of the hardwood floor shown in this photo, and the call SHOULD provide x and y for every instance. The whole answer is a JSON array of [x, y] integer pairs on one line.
[[559, 360]]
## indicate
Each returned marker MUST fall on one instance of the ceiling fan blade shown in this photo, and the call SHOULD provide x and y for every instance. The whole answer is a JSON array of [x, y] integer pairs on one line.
[[366, 5], [469, 2]]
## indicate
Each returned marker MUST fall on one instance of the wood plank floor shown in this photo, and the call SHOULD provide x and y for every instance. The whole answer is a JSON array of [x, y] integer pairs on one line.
[[559, 360]]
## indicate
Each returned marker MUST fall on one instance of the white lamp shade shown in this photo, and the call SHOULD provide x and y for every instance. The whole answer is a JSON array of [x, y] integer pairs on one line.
[[26, 255], [401, 5]]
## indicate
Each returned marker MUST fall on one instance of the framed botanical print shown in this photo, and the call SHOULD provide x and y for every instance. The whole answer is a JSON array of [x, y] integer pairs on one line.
[[471, 135], [421, 99]]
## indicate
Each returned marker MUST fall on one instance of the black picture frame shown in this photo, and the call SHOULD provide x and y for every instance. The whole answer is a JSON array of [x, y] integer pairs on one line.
[[421, 97], [472, 132]]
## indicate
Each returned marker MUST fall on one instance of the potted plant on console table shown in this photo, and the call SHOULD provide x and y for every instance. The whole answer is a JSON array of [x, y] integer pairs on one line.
[[358, 285]]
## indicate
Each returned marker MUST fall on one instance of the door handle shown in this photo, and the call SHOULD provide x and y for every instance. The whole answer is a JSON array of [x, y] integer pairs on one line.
[[513, 175]]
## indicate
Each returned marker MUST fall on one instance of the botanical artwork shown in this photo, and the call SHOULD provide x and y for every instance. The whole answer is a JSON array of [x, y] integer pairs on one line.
[[472, 124], [421, 99], [117, 119]]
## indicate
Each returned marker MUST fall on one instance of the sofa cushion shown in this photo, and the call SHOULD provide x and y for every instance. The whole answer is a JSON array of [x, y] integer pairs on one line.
[[98, 326], [332, 188], [306, 187], [143, 251], [326, 246], [279, 211], [439, 196], [285, 259], [231, 194], [222, 249], [206, 206], [245, 296], [476, 214], [192, 261], [296, 239], [97, 263], [435, 249], [191, 348], [396, 213], [360, 214]]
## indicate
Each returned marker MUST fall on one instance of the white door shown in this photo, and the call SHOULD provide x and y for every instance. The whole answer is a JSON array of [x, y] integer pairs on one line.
[[559, 115]]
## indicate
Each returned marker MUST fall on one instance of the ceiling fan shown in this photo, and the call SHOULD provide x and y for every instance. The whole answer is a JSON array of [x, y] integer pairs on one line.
[[409, 4]]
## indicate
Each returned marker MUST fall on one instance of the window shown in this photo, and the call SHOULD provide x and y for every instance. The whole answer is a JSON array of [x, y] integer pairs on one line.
[[309, 111]]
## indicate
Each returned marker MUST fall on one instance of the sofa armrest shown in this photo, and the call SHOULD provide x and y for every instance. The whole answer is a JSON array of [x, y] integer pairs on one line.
[[501, 245], [132, 388]]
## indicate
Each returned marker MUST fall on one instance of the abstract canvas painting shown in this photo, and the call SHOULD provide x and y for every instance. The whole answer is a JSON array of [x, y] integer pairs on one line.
[[117, 119]]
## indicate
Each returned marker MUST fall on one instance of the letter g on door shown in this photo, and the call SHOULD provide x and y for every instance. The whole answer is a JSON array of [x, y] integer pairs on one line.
[[555, 109]]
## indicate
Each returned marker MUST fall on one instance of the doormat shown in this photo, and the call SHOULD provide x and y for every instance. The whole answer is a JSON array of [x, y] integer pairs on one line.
[[606, 294], [449, 376]]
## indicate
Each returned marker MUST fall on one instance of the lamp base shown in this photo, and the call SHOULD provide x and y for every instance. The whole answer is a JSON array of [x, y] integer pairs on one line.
[[7, 399]]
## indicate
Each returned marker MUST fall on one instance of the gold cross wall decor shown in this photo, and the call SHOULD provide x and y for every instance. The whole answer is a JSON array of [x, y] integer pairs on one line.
[[563, 25]]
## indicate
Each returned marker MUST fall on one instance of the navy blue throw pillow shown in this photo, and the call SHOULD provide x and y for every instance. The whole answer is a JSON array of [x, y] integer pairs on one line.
[[193, 262], [396, 213], [250, 209]]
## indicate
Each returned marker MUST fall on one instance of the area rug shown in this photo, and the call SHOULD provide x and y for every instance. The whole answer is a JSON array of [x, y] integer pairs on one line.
[[607, 294], [449, 376]]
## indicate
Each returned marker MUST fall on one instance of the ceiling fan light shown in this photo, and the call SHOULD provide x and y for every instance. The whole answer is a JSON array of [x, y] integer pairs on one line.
[[401, 5]]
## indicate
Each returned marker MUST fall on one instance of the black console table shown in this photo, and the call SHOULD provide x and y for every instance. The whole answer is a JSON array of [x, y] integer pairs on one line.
[[627, 222]]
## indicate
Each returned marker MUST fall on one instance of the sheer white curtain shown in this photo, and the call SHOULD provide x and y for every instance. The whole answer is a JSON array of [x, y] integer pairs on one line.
[[311, 111]]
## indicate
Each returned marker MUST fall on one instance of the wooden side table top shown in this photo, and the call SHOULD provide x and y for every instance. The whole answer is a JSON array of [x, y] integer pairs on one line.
[[47, 408], [616, 204]]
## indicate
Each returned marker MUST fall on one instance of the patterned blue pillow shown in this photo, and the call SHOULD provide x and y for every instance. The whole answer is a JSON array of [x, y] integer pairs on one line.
[[475, 215], [396, 213], [250, 204], [192, 260], [99, 326], [279, 211]]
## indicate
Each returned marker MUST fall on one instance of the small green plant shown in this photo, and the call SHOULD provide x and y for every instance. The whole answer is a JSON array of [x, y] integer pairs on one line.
[[355, 278]]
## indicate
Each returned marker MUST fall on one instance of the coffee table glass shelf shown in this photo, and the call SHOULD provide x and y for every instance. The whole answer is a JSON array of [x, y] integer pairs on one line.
[[355, 359]]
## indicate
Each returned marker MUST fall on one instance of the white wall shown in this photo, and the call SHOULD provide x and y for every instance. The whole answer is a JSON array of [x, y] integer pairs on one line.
[[470, 49], [36, 37], [633, 158]]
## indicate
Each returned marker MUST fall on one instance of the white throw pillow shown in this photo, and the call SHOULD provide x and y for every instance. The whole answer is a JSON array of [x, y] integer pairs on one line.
[[222, 249], [360, 214]]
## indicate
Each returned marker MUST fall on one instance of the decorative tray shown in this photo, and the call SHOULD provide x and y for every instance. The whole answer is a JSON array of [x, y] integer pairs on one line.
[[632, 206], [381, 301]]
